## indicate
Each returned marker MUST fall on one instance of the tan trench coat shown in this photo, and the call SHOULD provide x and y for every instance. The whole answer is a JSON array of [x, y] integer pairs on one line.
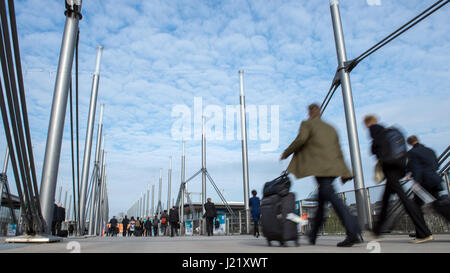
[[317, 151]]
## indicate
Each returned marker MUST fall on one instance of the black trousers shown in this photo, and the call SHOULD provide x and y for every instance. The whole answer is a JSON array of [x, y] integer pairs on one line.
[[327, 194], [173, 229], [255, 228], [125, 231], [393, 174], [209, 226]]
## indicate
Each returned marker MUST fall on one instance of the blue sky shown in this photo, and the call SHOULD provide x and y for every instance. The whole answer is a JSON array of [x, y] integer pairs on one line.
[[158, 54]]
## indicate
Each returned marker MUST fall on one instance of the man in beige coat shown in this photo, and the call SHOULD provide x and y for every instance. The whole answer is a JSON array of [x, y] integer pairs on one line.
[[317, 153]]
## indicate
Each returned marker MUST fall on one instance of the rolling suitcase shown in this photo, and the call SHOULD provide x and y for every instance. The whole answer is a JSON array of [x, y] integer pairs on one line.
[[275, 226]]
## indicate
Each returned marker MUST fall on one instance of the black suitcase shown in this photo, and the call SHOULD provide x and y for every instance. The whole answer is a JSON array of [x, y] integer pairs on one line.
[[275, 226], [279, 185]]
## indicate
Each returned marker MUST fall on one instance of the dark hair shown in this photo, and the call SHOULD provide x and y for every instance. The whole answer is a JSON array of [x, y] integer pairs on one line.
[[314, 110], [254, 192], [412, 139]]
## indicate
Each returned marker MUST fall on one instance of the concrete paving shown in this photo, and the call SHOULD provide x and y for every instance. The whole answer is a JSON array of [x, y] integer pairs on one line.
[[226, 244]]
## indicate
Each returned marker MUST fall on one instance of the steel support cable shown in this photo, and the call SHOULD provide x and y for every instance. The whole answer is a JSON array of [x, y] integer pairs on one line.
[[39, 223], [350, 65], [18, 63], [14, 113], [433, 8], [74, 189], [77, 120], [220, 194], [444, 156]]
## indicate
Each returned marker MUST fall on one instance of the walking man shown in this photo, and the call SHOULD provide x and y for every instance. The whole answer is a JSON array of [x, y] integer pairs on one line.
[[125, 222], [254, 203], [423, 165], [394, 171], [173, 221], [210, 213], [113, 228], [317, 153]]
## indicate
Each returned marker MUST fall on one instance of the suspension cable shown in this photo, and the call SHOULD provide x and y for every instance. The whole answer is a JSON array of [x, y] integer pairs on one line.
[[350, 65]]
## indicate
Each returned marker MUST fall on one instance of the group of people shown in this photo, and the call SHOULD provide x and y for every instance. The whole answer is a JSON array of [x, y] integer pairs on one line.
[[158, 225], [317, 152]]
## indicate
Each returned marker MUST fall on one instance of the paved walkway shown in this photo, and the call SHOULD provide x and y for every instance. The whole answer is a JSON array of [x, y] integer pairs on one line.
[[226, 244]]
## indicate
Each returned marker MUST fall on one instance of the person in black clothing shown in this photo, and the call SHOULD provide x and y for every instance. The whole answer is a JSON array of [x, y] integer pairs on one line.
[[59, 216], [393, 174], [173, 221], [155, 223], [148, 227], [113, 227], [125, 223], [423, 165], [210, 213]]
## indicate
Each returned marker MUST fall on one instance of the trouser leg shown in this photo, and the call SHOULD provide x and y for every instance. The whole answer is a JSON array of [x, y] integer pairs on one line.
[[328, 193], [393, 176]]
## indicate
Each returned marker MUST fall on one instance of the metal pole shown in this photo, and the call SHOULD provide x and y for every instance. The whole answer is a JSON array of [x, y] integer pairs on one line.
[[361, 200], [183, 188], [95, 187], [69, 213], [244, 152], [159, 208], [169, 182], [203, 173], [153, 199], [59, 195], [88, 143], [57, 116], [65, 200], [148, 201], [100, 174]]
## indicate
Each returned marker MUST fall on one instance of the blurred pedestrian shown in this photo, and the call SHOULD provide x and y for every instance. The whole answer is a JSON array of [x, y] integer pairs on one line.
[[317, 153], [423, 166], [173, 221], [125, 223], [387, 143], [210, 214], [254, 204]]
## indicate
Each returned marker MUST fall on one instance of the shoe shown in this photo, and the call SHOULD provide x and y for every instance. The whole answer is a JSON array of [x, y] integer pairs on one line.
[[422, 240], [412, 235], [350, 241]]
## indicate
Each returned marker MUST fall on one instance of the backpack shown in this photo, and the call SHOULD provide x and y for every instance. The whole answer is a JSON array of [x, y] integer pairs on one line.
[[138, 224], [392, 147], [163, 220]]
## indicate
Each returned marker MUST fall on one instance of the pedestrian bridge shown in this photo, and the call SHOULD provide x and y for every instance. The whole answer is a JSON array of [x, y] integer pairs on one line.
[[227, 244]]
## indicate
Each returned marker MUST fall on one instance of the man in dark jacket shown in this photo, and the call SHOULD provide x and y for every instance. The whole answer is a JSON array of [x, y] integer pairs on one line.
[[210, 213], [148, 227], [393, 174], [173, 220], [113, 223], [125, 223], [423, 165], [59, 216]]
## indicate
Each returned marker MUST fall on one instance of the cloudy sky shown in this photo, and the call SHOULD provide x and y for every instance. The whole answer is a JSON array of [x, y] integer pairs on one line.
[[159, 54]]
